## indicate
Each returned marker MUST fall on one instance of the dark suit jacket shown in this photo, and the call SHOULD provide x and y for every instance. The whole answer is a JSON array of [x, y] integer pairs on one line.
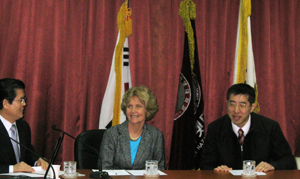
[[7, 155], [264, 142], [115, 148]]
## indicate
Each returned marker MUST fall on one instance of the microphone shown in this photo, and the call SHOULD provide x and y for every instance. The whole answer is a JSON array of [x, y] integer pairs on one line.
[[99, 174], [45, 176], [54, 154]]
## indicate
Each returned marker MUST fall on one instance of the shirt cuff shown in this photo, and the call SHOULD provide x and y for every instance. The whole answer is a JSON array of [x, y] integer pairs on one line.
[[11, 169]]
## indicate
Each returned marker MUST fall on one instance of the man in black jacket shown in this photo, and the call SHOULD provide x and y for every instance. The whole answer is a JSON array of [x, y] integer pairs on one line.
[[13, 157], [259, 139]]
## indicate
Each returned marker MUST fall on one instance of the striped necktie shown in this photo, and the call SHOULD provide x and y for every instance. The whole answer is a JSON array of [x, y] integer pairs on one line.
[[14, 135], [241, 136]]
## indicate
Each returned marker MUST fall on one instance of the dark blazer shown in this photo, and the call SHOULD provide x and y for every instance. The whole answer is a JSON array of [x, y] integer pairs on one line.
[[7, 155], [115, 148], [264, 142]]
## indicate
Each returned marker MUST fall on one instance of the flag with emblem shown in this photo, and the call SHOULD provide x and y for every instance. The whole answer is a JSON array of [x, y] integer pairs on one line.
[[188, 130], [244, 68], [120, 78]]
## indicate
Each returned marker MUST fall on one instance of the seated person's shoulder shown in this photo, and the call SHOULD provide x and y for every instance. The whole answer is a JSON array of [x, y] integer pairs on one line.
[[153, 129], [262, 119], [112, 131], [219, 123], [22, 122], [265, 122]]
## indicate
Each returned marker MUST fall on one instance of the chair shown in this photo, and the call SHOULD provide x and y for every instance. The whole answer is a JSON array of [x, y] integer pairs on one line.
[[85, 156]]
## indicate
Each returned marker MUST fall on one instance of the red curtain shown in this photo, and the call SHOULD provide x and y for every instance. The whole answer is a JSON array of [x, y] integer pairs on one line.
[[62, 50]]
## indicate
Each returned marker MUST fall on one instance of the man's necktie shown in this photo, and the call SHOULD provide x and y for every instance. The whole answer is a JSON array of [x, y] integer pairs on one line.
[[14, 135], [241, 136]]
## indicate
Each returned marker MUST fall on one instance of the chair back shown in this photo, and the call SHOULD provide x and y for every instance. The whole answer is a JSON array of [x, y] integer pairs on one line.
[[85, 156]]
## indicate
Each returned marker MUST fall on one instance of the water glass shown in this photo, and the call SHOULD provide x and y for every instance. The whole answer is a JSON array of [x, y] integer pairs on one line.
[[249, 168], [70, 169], [151, 168]]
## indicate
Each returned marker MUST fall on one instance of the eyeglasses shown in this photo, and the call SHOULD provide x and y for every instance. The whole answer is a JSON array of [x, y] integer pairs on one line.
[[22, 101], [241, 106]]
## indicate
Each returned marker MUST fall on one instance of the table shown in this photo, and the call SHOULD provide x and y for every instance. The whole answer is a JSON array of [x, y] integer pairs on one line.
[[204, 174]]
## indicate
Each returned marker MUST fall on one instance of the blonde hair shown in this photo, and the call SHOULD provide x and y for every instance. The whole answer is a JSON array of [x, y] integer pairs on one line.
[[145, 96]]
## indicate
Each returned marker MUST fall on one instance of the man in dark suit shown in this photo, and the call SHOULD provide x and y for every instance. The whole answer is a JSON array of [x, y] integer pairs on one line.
[[13, 157], [243, 135]]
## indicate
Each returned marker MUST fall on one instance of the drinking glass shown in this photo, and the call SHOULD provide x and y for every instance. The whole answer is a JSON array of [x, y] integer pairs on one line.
[[151, 168], [70, 169]]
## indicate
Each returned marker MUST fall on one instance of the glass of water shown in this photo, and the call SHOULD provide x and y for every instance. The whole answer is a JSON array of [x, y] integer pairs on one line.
[[151, 168], [249, 168], [70, 169]]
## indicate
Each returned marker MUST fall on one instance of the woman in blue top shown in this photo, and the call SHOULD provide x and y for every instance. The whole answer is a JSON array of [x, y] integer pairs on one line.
[[130, 144]]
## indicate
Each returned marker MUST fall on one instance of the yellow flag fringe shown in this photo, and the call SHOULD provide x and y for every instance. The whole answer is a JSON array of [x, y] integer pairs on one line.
[[187, 11], [125, 28], [243, 41]]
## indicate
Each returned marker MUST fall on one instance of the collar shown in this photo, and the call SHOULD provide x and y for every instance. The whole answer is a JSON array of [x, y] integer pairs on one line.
[[246, 127], [6, 123]]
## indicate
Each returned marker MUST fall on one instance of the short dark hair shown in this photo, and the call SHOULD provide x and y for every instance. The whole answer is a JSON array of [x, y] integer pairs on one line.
[[145, 96], [243, 89], [8, 87]]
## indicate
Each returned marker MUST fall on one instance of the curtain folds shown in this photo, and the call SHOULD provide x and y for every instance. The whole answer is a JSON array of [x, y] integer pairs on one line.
[[62, 50]]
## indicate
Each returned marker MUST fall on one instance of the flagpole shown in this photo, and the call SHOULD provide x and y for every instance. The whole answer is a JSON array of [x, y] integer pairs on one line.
[[127, 3]]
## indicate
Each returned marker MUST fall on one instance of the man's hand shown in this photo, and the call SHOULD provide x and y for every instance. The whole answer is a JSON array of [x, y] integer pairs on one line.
[[42, 163], [223, 168], [264, 167], [23, 167]]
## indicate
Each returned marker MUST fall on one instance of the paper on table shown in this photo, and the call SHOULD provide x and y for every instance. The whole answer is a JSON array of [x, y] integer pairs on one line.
[[39, 172], [142, 172], [114, 172], [240, 172], [117, 172], [21, 174]]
